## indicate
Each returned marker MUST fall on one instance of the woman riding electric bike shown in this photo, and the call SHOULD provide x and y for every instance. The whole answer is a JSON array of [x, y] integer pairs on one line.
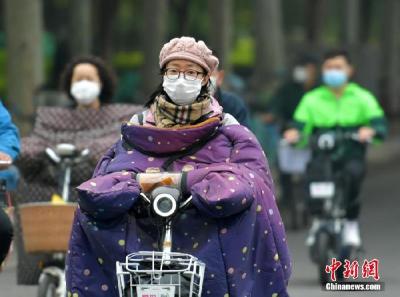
[[232, 224], [89, 121]]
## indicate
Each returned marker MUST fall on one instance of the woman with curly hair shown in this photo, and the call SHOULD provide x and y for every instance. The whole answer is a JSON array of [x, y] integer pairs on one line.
[[88, 81]]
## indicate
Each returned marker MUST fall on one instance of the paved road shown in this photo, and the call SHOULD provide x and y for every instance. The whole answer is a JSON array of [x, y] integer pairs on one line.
[[380, 227]]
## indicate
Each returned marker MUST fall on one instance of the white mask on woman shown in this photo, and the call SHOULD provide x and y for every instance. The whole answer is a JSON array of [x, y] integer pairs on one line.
[[300, 74], [182, 91], [85, 92]]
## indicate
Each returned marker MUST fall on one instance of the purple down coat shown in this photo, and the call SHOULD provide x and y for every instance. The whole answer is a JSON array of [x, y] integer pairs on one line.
[[234, 227]]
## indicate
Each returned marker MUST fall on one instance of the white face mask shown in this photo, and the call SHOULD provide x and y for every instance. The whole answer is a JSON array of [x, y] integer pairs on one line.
[[300, 74], [85, 92], [182, 91]]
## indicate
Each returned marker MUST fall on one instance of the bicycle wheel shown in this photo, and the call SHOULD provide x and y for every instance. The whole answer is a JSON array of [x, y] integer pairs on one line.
[[325, 251], [47, 286]]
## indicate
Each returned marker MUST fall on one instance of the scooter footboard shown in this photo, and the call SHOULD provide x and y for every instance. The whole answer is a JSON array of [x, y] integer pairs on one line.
[[160, 274]]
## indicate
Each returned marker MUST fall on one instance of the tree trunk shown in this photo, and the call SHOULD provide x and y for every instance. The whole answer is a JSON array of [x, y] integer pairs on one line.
[[365, 20], [24, 57], [80, 27], [220, 38], [390, 66], [315, 17], [153, 38], [351, 22], [350, 29], [270, 53], [181, 10], [105, 18]]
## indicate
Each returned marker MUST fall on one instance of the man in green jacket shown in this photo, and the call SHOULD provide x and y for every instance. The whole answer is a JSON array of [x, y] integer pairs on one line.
[[341, 104]]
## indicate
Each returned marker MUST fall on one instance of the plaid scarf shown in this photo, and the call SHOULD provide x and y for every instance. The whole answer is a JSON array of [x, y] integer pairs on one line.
[[167, 114]]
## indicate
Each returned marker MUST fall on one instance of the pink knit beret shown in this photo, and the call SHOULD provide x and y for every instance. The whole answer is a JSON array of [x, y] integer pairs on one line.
[[187, 48]]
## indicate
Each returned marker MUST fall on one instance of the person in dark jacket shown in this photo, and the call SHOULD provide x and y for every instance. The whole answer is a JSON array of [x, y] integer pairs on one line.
[[287, 97], [230, 102], [284, 102]]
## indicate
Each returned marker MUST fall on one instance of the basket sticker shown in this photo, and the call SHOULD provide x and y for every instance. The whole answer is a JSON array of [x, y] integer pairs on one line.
[[155, 291]]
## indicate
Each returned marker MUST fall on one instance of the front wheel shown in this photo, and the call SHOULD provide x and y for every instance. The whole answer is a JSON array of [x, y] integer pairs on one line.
[[325, 252], [48, 286]]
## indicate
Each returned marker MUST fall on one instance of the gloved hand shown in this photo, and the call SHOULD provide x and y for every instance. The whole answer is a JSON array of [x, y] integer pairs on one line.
[[149, 181]]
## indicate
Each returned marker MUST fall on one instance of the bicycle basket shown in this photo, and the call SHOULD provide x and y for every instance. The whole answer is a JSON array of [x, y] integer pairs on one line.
[[160, 274], [46, 227]]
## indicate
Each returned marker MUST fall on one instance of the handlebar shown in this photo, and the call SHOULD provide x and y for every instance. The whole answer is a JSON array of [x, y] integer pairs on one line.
[[64, 151], [165, 201], [356, 137], [5, 163], [329, 140], [161, 190]]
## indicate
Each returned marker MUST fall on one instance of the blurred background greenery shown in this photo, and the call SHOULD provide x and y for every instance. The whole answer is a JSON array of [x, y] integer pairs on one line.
[[256, 41]]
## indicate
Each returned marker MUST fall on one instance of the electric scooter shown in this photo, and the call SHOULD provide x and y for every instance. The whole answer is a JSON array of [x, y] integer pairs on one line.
[[161, 273], [327, 188], [52, 277]]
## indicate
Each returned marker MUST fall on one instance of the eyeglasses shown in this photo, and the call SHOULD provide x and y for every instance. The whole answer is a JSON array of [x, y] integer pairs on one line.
[[174, 74]]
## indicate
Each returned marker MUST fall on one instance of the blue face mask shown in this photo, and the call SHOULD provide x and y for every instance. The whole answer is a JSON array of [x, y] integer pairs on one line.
[[334, 78]]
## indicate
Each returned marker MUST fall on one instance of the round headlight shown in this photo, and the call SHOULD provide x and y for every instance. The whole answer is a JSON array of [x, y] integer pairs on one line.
[[164, 205]]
